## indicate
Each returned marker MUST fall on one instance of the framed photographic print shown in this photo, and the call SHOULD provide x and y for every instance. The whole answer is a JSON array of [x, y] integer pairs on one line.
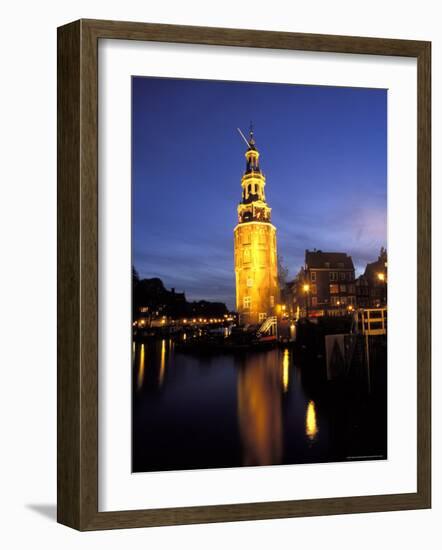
[[243, 275]]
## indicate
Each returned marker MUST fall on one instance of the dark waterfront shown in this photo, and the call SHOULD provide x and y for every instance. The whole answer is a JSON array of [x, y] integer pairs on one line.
[[251, 408]]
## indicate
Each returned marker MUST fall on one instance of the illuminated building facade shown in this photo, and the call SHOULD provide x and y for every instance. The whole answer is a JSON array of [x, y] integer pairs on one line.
[[256, 269], [326, 284]]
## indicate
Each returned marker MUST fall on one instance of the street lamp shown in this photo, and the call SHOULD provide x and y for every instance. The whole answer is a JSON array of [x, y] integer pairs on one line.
[[306, 289], [383, 280]]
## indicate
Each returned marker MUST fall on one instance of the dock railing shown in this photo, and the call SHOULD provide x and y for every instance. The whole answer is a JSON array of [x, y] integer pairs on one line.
[[371, 322]]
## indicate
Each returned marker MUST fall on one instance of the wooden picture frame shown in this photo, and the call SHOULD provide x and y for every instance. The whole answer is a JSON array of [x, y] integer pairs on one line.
[[78, 274]]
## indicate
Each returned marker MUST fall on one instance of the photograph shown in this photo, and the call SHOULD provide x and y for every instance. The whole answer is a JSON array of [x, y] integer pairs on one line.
[[259, 274]]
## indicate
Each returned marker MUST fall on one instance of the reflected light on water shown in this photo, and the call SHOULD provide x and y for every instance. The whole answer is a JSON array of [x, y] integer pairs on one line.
[[162, 361], [285, 370], [140, 378], [311, 426], [259, 412]]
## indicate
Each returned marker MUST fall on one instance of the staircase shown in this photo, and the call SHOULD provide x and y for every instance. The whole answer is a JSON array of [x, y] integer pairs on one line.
[[269, 327]]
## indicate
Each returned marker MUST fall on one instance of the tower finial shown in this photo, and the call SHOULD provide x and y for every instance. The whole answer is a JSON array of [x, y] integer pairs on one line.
[[251, 138]]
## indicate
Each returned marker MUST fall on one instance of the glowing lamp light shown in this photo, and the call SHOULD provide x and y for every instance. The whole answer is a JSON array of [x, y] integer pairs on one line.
[[306, 288], [381, 276]]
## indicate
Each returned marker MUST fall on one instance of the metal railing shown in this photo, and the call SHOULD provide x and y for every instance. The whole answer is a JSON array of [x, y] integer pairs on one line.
[[269, 326]]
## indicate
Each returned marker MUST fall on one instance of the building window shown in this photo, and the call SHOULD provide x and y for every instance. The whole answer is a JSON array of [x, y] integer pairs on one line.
[[333, 276], [246, 302], [342, 276], [313, 276], [314, 289], [350, 276], [334, 289], [352, 300], [338, 300], [327, 264], [272, 301], [343, 288], [262, 317], [314, 301], [351, 289], [249, 282], [246, 255]]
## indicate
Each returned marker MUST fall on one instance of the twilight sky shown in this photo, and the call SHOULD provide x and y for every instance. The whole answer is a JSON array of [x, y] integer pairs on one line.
[[323, 151]]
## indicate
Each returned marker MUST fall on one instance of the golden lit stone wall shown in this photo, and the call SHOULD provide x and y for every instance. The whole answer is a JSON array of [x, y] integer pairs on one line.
[[256, 271]]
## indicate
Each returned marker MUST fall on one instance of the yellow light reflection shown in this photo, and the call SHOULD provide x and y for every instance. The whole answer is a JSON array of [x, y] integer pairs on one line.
[[285, 370], [311, 426], [140, 378], [259, 412], [162, 361]]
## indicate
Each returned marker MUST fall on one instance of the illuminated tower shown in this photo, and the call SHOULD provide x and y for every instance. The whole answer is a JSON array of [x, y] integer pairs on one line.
[[256, 268]]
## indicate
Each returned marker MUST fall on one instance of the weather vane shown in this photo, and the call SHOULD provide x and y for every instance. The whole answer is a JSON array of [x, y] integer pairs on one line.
[[244, 137]]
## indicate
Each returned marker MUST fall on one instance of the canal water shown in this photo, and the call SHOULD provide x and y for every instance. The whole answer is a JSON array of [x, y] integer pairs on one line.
[[249, 409]]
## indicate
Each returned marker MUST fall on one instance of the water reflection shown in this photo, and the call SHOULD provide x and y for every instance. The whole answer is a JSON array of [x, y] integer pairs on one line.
[[259, 411], [162, 362], [251, 408], [140, 378], [311, 425], [285, 370]]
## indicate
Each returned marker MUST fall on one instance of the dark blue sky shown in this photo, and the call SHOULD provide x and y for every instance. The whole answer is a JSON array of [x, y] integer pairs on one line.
[[323, 151]]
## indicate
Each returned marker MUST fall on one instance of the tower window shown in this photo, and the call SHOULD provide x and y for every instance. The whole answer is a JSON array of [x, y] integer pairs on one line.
[[272, 301], [246, 302]]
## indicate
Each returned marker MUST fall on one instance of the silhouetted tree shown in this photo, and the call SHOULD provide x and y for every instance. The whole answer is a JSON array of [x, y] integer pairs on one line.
[[283, 272]]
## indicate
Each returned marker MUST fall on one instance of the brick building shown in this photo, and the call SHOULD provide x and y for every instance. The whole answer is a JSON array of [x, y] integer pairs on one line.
[[371, 287], [325, 285]]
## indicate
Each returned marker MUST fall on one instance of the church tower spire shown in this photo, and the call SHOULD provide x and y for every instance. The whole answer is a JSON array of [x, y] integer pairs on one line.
[[253, 205], [255, 244]]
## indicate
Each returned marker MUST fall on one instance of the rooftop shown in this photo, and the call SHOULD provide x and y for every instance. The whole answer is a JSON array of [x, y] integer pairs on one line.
[[328, 260]]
